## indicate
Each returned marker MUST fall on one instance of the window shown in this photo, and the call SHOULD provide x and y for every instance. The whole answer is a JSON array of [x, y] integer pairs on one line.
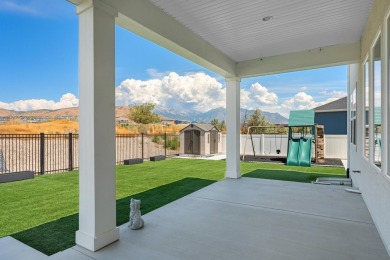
[[366, 111], [376, 112], [208, 138], [388, 82], [353, 116]]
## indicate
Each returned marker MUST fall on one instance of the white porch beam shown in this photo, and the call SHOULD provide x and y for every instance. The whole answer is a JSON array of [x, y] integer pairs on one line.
[[310, 59], [97, 203], [233, 128]]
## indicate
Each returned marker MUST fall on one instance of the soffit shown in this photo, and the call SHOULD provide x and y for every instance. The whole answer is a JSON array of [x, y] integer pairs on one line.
[[236, 27]]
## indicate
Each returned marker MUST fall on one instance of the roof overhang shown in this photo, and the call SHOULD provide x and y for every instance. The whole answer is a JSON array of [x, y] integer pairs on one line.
[[177, 26], [330, 111], [311, 59]]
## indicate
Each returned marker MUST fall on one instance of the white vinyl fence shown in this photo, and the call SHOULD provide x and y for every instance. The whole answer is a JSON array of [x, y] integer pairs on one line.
[[267, 144]]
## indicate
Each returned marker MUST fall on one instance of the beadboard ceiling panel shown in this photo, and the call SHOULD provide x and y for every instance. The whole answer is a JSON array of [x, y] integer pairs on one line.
[[236, 27]]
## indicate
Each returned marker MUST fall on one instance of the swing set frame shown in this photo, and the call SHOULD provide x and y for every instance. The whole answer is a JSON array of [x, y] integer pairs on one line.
[[262, 127]]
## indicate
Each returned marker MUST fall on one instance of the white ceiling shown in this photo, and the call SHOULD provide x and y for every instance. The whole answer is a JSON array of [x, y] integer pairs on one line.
[[236, 28]]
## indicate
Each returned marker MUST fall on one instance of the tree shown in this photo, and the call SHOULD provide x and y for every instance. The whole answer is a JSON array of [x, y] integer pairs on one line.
[[257, 119], [220, 125], [143, 114], [244, 126]]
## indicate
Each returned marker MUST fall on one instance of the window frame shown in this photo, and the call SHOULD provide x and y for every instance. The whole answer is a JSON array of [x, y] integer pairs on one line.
[[378, 39], [366, 73]]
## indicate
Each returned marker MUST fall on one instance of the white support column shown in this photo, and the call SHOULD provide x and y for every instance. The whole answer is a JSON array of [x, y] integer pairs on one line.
[[233, 128], [97, 203]]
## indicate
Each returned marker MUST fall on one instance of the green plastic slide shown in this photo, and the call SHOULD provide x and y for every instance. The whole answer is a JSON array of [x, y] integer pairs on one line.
[[293, 151], [304, 157], [299, 152]]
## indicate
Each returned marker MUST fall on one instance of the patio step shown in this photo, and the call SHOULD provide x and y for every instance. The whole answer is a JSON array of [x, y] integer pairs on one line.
[[334, 181]]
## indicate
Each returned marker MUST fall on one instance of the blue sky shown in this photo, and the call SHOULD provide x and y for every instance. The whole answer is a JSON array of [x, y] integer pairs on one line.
[[39, 69]]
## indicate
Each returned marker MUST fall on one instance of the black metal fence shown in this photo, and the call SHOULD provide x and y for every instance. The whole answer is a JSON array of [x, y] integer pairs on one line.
[[50, 153]]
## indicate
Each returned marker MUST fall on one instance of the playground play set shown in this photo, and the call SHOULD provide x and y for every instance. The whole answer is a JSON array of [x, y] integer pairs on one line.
[[300, 149], [302, 133]]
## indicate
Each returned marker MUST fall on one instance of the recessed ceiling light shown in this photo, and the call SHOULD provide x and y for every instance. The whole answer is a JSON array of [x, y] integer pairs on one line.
[[267, 18]]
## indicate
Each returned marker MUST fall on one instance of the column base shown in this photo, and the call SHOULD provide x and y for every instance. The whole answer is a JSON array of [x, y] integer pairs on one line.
[[232, 175], [95, 243]]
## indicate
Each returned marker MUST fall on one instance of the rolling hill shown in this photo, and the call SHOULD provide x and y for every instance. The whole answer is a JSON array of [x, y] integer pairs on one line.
[[123, 111]]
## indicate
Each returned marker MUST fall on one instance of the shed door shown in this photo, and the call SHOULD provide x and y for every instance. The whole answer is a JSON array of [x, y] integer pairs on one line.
[[213, 142], [196, 142], [192, 142], [187, 142]]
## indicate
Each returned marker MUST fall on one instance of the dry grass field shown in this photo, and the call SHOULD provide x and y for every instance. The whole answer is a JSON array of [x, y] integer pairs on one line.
[[65, 126]]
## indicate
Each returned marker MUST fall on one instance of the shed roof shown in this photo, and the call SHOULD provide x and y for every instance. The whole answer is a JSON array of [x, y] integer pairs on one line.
[[204, 127], [337, 105]]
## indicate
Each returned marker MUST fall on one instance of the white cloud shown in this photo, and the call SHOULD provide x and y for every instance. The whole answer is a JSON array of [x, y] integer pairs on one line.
[[37, 8], [262, 96], [245, 99], [196, 91], [377, 98], [303, 101], [333, 94], [155, 74], [67, 100], [303, 88], [18, 7], [300, 101]]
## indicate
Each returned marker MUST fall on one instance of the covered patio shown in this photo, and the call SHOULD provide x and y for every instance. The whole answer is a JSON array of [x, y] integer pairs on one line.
[[235, 218], [244, 219]]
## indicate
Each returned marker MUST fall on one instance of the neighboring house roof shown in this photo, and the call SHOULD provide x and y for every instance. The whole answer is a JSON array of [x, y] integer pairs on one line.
[[122, 119], [335, 106], [204, 127], [182, 122]]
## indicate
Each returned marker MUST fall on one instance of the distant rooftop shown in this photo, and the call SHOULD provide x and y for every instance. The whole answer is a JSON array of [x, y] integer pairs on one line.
[[337, 105]]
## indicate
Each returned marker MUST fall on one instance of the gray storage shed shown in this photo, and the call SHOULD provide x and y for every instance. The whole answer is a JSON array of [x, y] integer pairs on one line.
[[200, 139]]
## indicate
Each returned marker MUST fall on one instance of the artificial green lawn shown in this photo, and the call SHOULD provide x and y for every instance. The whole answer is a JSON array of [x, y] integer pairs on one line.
[[42, 212]]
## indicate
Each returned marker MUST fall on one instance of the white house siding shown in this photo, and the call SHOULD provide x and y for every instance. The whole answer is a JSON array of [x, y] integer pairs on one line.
[[372, 182]]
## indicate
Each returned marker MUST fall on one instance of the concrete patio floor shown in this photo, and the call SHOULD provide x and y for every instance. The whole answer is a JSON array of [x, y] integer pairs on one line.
[[250, 219]]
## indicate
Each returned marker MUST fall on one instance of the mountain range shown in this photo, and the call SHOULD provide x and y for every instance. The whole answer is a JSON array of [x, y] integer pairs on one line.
[[122, 112], [218, 113]]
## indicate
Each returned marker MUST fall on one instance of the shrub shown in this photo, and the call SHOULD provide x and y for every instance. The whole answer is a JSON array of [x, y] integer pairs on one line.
[[156, 139], [172, 143]]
